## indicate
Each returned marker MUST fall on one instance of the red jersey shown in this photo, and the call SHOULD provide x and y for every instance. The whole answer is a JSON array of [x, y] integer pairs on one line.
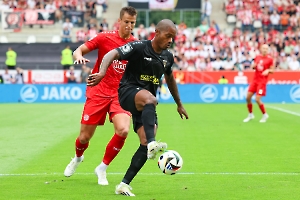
[[104, 42], [262, 63]]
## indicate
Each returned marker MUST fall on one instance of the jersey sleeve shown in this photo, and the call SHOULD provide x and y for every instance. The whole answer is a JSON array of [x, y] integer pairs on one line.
[[94, 42], [131, 50]]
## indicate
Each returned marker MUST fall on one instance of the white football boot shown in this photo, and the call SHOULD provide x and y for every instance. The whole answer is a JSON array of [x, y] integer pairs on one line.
[[250, 117], [71, 167], [154, 147], [124, 189], [101, 176], [264, 118]]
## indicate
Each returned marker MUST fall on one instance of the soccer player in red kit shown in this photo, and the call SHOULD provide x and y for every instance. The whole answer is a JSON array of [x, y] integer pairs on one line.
[[263, 65], [103, 98]]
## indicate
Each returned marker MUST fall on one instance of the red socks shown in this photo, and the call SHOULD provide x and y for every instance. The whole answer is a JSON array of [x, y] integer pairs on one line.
[[249, 106], [262, 108], [80, 148], [113, 148]]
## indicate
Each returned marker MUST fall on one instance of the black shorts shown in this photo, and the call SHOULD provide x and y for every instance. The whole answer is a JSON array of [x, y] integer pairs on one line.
[[126, 98]]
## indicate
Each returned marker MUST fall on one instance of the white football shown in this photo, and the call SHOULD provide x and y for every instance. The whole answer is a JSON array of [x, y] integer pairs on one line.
[[170, 162]]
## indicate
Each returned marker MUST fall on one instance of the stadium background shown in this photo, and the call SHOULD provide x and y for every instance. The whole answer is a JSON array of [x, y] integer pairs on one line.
[[237, 26]]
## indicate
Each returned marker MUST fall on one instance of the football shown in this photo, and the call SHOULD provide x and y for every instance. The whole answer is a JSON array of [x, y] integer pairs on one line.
[[170, 162]]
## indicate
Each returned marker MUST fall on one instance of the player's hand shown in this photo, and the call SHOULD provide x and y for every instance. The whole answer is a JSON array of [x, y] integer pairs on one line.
[[94, 79], [265, 73], [182, 112], [81, 60]]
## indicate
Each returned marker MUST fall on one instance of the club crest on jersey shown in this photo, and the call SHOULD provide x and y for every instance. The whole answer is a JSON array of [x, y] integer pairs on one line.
[[119, 66], [165, 63], [126, 48]]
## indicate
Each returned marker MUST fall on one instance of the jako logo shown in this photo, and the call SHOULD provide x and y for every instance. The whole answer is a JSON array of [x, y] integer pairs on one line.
[[208, 93], [295, 93], [29, 93]]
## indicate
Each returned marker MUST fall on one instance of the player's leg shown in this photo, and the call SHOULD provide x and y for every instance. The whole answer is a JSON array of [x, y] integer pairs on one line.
[[146, 103], [137, 162], [261, 91], [92, 116], [81, 144], [121, 121], [250, 93], [141, 102]]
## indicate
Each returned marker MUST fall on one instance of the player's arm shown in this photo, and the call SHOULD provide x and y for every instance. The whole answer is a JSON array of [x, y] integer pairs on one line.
[[79, 53], [170, 80], [269, 71], [253, 65], [94, 79]]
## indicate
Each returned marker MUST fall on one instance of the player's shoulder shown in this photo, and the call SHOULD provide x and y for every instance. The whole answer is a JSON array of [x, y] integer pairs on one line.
[[168, 53]]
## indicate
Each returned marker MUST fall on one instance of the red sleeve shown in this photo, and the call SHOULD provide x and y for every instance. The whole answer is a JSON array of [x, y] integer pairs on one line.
[[94, 43]]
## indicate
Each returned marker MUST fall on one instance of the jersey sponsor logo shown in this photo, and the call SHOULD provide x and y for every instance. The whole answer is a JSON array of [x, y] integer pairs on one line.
[[119, 66], [126, 48], [149, 59], [149, 78], [29, 93], [208, 93], [295, 93]]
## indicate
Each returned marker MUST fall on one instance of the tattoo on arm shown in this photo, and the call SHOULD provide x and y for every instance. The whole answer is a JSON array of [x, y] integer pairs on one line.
[[173, 88], [108, 59]]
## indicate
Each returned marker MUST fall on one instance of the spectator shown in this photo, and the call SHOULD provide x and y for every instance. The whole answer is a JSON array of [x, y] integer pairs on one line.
[[217, 64], [66, 57], [246, 63], [81, 35], [67, 24], [66, 35], [206, 12], [223, 80], [7, 78], [275, 20], [200, 64], [103, 25], [11, 58], [85, 72], [19, 79], [284, 21], [227, 65], [294, 64], [92, 33], [151, 31], [142, 32], [103, 4], [203, 27], [284, 64], [72, 78]]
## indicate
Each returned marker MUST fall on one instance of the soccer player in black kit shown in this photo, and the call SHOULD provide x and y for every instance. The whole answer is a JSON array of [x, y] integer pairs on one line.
[[147, 62]]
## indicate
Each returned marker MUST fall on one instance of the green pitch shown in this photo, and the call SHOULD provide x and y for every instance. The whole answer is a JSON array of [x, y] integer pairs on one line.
[[224, 158]]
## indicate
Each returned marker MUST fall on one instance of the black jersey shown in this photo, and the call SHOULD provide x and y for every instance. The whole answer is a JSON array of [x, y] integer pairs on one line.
[[145, 67]]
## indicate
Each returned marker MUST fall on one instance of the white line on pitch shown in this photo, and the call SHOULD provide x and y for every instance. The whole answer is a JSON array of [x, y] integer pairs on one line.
[[182, 173], [284, 110]]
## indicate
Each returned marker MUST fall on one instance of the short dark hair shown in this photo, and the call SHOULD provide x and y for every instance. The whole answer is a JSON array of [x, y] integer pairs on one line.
[[128, 9]]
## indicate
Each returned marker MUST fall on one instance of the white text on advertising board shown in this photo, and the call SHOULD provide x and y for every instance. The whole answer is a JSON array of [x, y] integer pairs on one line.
[[62, 93]]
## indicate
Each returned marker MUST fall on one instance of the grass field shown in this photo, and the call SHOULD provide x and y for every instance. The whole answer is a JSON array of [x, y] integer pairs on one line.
[[224, 158]]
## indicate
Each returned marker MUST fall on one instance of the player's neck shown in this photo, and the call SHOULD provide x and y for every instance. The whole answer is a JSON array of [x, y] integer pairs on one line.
[[123, 36], [155, 48]]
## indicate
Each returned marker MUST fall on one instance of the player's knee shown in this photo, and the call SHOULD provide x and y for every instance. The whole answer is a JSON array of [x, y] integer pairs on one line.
[[151, 100], [257, 99], [84, 138], [123, 132]]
